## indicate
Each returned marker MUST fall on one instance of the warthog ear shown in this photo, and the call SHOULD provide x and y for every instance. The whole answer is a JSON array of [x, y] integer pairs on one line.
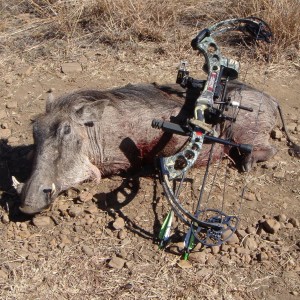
[[92, 112]]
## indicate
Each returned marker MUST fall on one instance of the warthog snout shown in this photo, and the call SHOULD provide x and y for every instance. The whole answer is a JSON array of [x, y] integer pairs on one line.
[[26, 209], [46, 195]]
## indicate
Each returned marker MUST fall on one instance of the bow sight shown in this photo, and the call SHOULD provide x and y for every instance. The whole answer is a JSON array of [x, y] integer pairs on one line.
[[208, 226]]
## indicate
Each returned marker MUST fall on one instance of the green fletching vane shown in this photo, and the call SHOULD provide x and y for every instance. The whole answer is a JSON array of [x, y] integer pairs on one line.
[[165, 230]]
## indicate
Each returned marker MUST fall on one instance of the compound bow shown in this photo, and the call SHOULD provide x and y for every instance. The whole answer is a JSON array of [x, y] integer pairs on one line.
[[208, 226]]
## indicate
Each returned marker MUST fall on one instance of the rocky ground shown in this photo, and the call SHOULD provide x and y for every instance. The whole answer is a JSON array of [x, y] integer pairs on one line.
[[100, 241]]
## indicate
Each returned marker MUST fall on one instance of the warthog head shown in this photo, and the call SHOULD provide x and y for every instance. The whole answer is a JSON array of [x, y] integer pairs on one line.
[[62, 147]]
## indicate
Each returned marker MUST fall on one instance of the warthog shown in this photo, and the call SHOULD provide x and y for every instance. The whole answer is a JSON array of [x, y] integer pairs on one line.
[[90, 133]]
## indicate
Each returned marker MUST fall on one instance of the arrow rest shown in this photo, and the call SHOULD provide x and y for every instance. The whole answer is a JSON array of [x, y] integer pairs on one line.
[[207, 225]]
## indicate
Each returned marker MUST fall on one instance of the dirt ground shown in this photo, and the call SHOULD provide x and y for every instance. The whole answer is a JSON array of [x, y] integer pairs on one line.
[[82, 249]]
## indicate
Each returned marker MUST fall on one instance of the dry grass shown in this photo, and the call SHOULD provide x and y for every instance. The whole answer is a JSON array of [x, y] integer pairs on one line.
[[284, 19], [105, 20], [43, 27]]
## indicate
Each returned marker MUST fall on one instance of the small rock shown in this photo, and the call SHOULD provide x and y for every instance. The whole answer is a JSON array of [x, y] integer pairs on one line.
[[212, 261], [65, 240], [78, 229], [271, 226], [119, 223], [294, 293], [23, 226], [122, 234], [3, 276], [250, 243], [281, 218], [5, 218], [215, 249], [298, 128], [276, 134], [42, 221], [177, 247], [225, 247], [233, 239], [87, 250], [279, 174], [249, 196], [75, 211], [13, 140], [3, 114], [233, 257], [5, 133], [270, 165], [262, 256], [121, 197], [271, 238], [266, 217], [201, 273], [24, 234], [92, 209], [62, 206], [291, 126], [24, 71], [123, 253], [258, 196], [280, 243], [4, 125], [116, 263], [129, 265], [71, 193], [127, 286], [251, 230], [289, 226], [231, 250], [241, 233], [32, 257], [89, 220], [198, 247], [294, 222], [12, 104], [225, 259], [260, 231], [85, 196], [246, 258], [241, 250], [71, 67], [184, 264], [65, 231], [61, 245], [8, 81], [199, 257]]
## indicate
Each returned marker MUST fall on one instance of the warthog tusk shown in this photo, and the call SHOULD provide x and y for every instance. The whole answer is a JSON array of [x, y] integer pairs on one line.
[[53, 189], [15, 182]]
